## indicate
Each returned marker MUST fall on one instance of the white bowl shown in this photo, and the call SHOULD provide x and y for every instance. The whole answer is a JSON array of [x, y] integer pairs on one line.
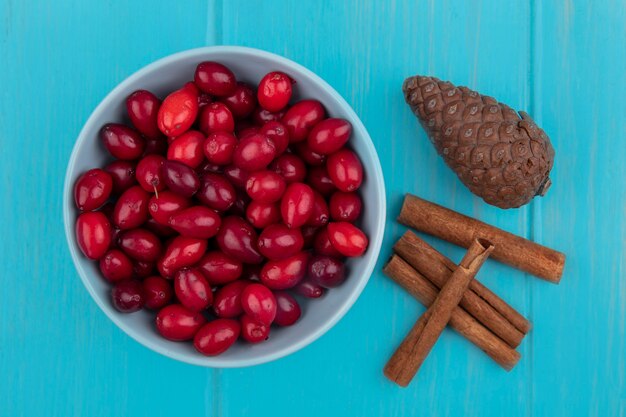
[[249, 65]]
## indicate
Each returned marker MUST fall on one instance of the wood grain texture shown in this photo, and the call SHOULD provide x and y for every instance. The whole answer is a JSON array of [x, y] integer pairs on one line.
[[564, 62]]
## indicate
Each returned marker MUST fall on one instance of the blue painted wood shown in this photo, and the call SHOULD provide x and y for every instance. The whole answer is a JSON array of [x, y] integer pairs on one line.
[[564, 63]]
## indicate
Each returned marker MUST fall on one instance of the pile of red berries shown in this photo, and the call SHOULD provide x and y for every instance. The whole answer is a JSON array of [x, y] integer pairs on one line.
[[220, 204]]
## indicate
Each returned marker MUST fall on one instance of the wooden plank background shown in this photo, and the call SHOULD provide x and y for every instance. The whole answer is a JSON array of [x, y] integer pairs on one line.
[[563, 61]]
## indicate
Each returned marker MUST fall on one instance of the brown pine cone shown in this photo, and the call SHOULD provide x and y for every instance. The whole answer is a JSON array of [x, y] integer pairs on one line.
[[499, 156]]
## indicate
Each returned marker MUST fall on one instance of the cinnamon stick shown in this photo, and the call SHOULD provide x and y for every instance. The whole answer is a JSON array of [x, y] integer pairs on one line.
[[461, 230], [478, 300], [414, 349]]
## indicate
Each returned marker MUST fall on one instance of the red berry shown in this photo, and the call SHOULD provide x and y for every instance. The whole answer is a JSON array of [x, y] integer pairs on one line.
[[260, 116], [219, 268], [148, 173], [345, 170], [123, 175], [261, 215], [93, 234], [277, 133], [328, 136], [180, 253], [131, 209], [345, 206], [322, 245], [192, 289], [301, 117], [285, 273], [259, 303], [254, 152], [215, 79], [252, 330], [287, 309], [320, 215], [227, 300], [237, 238], [165, 205], [127, 296], [178, 111], [290, 167], [215, 337], [309, 289], [319, 180], [187, 148], [216, 117], [122, 142], [219, 148], [241, 102], [143, 109], [180, 178], [216, 192], [274, 91], [297, 204], [277, 242], [92, 189], [326, 271], [141, 245], [116, 266], [157, 292], [265, 186], [348, 239], [177, 323], [237, 176], [197, 221]]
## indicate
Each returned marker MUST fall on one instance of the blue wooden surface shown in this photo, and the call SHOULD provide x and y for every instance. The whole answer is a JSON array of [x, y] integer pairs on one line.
[[564, 62]]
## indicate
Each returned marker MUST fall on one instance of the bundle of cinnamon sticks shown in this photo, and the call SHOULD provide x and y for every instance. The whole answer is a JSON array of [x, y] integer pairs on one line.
[[451, 293]]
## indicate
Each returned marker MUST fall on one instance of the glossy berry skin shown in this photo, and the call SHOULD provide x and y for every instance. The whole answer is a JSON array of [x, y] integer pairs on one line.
[[181, 252], [285, 273], [309, 289], [122, 142], [328, 136], [348, 239], [143, 109], [261, 215], [254, 152], [345, 170], [197, 221], [219, 148], [296, 205], [259, 303], [301, 117], [143, 269], [237, 176], [237, 238], [265, 186], [312, 158], [260, 116], [178, 111], [92, 189], [216, 117], [157, 292], [320, 215], [140, 244], [192, 289], [287, 309], [326, 271], [215, 79], [131, 209], [322, 245], [116, 266], [274, 91], [216, 337], [241, 102], [163, 207], [216, 192], [219, 268], [345, 206], [180, 178], [277, 133], [252, 330], [123, 175], [177, 323], [187, 148], [319, 180], [279, 242], [93, 234], [227, 300], [148, 173], [290, 167], [127, 296]]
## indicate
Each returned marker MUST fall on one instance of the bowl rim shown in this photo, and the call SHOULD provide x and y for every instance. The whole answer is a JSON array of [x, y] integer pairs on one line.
[[218, 362]]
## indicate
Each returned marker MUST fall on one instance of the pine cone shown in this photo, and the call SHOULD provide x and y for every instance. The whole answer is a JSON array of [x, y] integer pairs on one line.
[[499, 156]]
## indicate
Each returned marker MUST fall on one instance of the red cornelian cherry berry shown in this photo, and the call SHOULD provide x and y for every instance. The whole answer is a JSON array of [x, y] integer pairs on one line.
[[241, 102], [301, 117], [177, 323], [122, 142], [215, 79], [123, 175], [252, 330], [261, 215], [297, 204], [285, 273], [274, 91], [180, 178], [348, 239], [131, 209], [278, 241], [157, 292], [219, 148], [290, 167], [187, 149], [328, 136], [116, 266], [127, 296], [265, 186], [92, 189], [277, 133], [181, 252], [217, 336], [93, 234], [178, 111], [345, 206], [192, 289], [141, 245], [197, 221], [219, 268], [227, 300], [216, 117], [254, 152], [259, 303], [345, 170], [287, 309], [143, 109]]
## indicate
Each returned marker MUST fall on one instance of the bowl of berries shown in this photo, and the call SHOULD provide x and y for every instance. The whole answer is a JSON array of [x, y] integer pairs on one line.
[[224, 206]]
